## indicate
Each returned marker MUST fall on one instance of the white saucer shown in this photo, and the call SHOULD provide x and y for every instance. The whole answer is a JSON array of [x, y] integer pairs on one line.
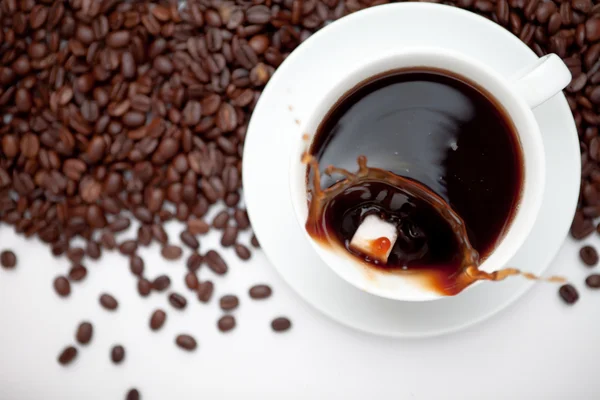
[[277, 123]]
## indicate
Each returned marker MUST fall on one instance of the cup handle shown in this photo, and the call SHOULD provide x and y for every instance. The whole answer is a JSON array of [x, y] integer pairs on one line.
[[543, 79]]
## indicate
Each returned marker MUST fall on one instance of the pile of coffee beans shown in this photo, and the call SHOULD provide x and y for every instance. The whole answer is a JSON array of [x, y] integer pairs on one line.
[[113, 111]]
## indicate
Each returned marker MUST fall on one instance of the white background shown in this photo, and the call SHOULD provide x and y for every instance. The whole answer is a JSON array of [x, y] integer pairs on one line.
[[537, 348]]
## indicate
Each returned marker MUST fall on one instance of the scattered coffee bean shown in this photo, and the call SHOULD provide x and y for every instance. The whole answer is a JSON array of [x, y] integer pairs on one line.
[[128, 247], [84, 333], [229, 237], [588, 255], [75, 254], [77, 273], [157, 320], [226, 323], [191, 280], [117, 354], [593, 281], [194, 262], [136, 265], [197, 226], [186, 342], [568, 293], [260, 292], [205, 291], [171, 252], [254, 242], [108, 241], [189, 240], [144, 287], [215, 262], [241, 218], [229, 302], [177, 301], [133, 394], [242, 252], [119, 224], [108, 302], [62, 286], [8, 259], [161, 283], [581, 226], [221, 219], [67, 356]]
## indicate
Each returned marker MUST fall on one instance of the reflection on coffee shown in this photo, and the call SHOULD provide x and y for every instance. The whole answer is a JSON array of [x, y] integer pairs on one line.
[[425, 126]]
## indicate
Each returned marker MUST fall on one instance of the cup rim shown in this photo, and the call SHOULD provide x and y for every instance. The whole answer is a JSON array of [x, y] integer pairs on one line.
[[514, 106]]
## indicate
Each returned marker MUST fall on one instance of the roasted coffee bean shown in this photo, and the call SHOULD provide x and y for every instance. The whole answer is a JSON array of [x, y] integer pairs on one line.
[[242, 252], [593, 281], [197, 226], [171, 252], [62, 286], [260, 292], [194, 262], [117, 354], [258, 14], [67, 355], [161, 283], [118, 39], [177, 301], [215, 262], [581, 226], [229, 302], [221, 219], [136, 265], [229, 237], [93, 250], [226, 323], [241, 219], [84, 333], [144, 287], [157, 320], [191, 280], [108, 302], [189, 240], [568, 293], [281, 324], [205, 291], [186, 342], [128, 247], [143, 214], [133, 394], [255, 243], [588, 255], [159, 233], [77, 273], [8, 259], [75, 254], [144, 235]]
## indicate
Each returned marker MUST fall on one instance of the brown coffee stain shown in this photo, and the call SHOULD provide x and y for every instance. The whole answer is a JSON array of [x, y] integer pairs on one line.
[[437, 280]]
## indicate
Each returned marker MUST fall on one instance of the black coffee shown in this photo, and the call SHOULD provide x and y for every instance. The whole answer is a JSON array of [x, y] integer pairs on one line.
[[434, 128]]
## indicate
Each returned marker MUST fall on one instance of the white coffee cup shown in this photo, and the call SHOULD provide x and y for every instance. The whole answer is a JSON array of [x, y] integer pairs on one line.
[[516, 95]]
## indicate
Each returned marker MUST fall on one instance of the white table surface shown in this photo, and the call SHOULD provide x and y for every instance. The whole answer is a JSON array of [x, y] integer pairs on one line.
[[537, 348]]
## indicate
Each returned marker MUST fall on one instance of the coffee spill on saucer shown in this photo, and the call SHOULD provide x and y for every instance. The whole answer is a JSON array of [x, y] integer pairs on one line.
[[441, 280]]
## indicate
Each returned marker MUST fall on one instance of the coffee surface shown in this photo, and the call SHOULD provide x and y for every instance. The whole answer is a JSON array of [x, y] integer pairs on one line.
[[433, 128]]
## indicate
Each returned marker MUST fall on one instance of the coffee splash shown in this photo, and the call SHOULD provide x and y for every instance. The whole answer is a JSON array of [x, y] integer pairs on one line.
[[445, 282]]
